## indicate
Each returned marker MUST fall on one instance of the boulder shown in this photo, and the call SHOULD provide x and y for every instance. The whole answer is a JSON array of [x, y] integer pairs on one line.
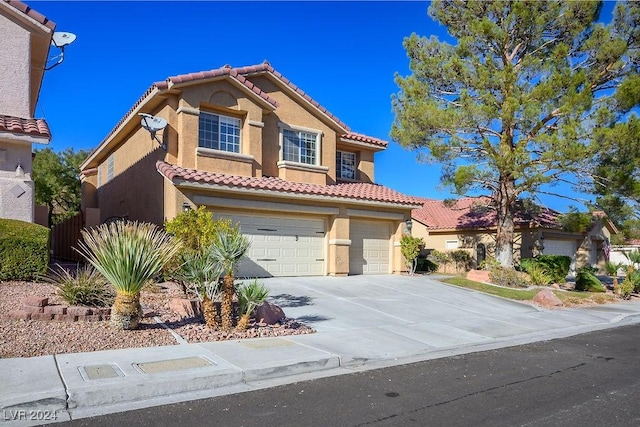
[[546, 298], [478, 275], [269, 314], [185, 307]]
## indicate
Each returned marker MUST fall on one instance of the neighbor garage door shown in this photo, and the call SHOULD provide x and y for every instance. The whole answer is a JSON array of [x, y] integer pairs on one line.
[[370, 250], [561, 247], [281, 246]]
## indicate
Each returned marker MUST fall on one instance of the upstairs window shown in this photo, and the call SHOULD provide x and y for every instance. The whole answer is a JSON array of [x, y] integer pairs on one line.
[[219, 132], [110, 167], [300, 146], [345, 165]]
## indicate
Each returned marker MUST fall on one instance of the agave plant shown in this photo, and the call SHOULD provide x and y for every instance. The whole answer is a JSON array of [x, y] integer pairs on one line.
[[86, 286], [227, 250], [250, 295], [128, 255], [201, 276]]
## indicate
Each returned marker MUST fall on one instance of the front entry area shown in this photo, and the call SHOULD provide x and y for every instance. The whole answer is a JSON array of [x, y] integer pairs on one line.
[[281, 246]]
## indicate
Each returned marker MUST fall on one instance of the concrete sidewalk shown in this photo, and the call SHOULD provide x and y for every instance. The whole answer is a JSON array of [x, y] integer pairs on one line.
[[362, 322]]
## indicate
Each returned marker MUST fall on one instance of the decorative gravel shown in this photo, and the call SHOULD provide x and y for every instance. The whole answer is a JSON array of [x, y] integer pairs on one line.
[[20, 338]]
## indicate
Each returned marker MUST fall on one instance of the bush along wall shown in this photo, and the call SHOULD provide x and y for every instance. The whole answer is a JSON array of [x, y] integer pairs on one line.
[[555, 265], [24, 250]]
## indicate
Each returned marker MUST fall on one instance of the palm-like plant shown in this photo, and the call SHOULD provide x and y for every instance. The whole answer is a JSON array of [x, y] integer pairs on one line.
[[250, 295], [128, 255], [227, 250], [201, 277], [612, 271]]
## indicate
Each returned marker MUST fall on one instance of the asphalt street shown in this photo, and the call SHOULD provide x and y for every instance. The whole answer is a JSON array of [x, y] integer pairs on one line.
[[586, 380]]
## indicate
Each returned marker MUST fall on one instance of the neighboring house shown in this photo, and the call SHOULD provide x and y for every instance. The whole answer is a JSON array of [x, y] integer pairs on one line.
[[251, 146], [26, 38], [470, 224]]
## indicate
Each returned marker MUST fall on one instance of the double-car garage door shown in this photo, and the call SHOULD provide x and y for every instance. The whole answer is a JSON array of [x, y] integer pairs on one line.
[[281, 246], [290, 246]]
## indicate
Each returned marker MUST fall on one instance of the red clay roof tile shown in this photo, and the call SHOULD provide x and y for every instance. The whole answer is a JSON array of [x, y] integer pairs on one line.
[[356, 190], [471, 212], [34, 127], [31, 13]]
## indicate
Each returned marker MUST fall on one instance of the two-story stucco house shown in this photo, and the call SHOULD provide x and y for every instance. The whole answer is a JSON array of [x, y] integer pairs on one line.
[[26, 38], [251, 146]]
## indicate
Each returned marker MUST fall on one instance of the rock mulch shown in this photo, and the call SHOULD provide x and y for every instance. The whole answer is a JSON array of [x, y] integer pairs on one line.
[[26, 337]]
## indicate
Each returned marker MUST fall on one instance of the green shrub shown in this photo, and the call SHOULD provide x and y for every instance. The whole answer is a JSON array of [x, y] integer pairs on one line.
[[426, 265], [462, 259], [626, 288], [197, 229], [24, 250], [538, 275], [508, 277], [586, 281], [84, 287], [410, 248], [557, 266]]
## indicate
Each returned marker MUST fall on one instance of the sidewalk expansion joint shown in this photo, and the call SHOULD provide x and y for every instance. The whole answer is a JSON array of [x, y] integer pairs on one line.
[[171, 331]]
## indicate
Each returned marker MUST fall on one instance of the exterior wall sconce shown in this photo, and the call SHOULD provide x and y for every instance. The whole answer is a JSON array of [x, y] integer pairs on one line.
[[186, 206], [408, 226], [19, 171]]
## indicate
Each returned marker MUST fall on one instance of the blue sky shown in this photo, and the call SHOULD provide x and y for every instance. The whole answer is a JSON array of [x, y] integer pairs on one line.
[[343, 54]]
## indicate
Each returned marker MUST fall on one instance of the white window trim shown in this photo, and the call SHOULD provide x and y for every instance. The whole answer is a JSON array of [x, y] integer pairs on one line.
[[446, 244], [319, 136], [355, 166], [240, 135]]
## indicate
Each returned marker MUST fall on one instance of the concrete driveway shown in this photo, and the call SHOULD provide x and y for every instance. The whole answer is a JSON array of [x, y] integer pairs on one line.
[[387, 317]]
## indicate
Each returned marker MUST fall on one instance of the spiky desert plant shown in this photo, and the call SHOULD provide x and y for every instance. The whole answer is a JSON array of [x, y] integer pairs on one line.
[[250, 295], [228, 249], [200, 275], [538, 275], [128, 255], [612, 270], [85, 286]]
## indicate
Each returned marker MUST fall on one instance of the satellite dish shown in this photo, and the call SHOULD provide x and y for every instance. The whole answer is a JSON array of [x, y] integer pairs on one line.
[[153, 124], [61, 39]]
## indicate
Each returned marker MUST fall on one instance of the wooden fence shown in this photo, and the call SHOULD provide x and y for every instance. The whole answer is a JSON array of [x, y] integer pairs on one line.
[[65, 236]]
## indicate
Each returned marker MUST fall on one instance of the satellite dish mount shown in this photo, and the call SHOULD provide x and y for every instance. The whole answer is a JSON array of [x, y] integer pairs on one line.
[[60, 40], [153, 125]]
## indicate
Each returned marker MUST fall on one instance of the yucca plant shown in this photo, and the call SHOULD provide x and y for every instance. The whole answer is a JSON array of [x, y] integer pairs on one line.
[[86, 286], [250, 295], [128, 255], [228, 249], [538, 275], [200, 275]]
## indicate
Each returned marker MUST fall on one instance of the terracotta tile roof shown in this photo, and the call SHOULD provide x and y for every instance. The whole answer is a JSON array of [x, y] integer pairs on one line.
[[239, 74], [34, 127], [36, 16], [358, 137], [471, 212], [357, 191]]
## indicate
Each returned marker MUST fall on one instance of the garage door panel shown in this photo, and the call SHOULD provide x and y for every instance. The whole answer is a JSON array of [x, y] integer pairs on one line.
[[370, 247], [281, 246]]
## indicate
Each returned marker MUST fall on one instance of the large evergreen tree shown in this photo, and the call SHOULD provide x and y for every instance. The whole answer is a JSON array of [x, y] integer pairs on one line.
[[512, 106], [57, 184]]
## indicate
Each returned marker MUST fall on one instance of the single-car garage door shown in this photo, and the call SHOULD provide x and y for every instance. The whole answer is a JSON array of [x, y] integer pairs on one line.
[[561, 247], [370, 250], [281, 246]]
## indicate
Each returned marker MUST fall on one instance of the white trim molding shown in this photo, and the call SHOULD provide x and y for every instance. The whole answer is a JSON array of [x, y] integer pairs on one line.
[[188, 110], [227, 155], [256, 123], [302, 167], [340, 242]]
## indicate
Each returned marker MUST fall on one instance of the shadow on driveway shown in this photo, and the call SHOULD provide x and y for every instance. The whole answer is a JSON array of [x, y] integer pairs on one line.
[[288, 300]]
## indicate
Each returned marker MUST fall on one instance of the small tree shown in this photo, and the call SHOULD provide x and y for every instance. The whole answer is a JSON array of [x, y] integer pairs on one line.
[[461, 259], [197, 228], [227, 250], [410, 247], [250, 295], [441, 258]]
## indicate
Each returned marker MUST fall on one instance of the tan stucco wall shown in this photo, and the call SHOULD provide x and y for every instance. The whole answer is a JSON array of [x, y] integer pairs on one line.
[[16, 193], [14, 68]]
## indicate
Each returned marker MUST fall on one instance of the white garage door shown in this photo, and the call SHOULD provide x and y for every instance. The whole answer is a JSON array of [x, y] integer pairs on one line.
[[281, 246], [561, 247], [370, 250]]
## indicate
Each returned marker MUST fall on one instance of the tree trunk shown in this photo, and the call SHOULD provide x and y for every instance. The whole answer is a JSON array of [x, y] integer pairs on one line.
[[505, 227], [243, 322], [210, 313], [227, 302], [126, 311]]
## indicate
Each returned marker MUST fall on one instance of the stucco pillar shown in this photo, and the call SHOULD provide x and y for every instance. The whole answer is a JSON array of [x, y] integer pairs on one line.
[[339, 244], [397, 262]]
